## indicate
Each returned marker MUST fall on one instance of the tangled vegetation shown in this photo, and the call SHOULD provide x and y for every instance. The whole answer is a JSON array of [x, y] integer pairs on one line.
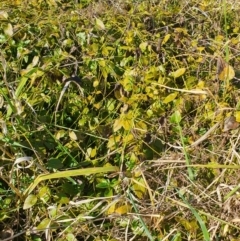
[[143, 142]]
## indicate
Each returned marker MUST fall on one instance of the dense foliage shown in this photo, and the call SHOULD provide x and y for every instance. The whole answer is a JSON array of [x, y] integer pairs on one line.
[[158, 102]]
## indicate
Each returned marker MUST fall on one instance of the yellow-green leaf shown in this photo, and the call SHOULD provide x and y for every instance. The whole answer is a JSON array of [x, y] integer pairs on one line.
[[44, 193], [60, 134], [139, 188], [237, 116], [21, 85], [8, 30], [111, 209], [178, 73], [73, 135], [166, 38], [123, 209], [143, 46], [91, 152], [70, 237], [117, 125], [141, 126], [99, 23], [127, 124], [190, 226], [30, 201], [113, 142], [170, 97], [44, 224], [3, 15], [95, 83]]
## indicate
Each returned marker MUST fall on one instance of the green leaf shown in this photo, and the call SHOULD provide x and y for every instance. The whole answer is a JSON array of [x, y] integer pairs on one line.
[[21, 85], [176, 117], [54, 163], [44, 224], [227, 73], [44, 193]]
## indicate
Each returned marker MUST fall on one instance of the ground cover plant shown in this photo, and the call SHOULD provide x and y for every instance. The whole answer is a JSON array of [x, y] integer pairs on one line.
[[142, 143]]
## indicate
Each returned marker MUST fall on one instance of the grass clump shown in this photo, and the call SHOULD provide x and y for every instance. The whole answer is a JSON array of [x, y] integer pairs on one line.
[[143, 144]]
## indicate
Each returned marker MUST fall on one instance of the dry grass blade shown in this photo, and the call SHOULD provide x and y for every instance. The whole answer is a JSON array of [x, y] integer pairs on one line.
[[194, 91]]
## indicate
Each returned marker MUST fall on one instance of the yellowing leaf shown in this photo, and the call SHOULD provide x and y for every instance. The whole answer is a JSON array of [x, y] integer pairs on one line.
[[117, 125], [105, 51], [30, 201], [178, 73], [123, 209], [73, 136], [102, 63], [95, 83], [166, 38], [111, 209], [190, 226], [200, 49], [143, 46], [127, 124], [93, 152], [139, 188], [141, 126], [100, 25], [219, 38], [52, 2], [3, 15], [8, 30], [199, 60], [35, 60], [237, 116], [113, 142], [201, 84], [97, 106], [227, 73], [170, 98], [181, 30], [60, 134]]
